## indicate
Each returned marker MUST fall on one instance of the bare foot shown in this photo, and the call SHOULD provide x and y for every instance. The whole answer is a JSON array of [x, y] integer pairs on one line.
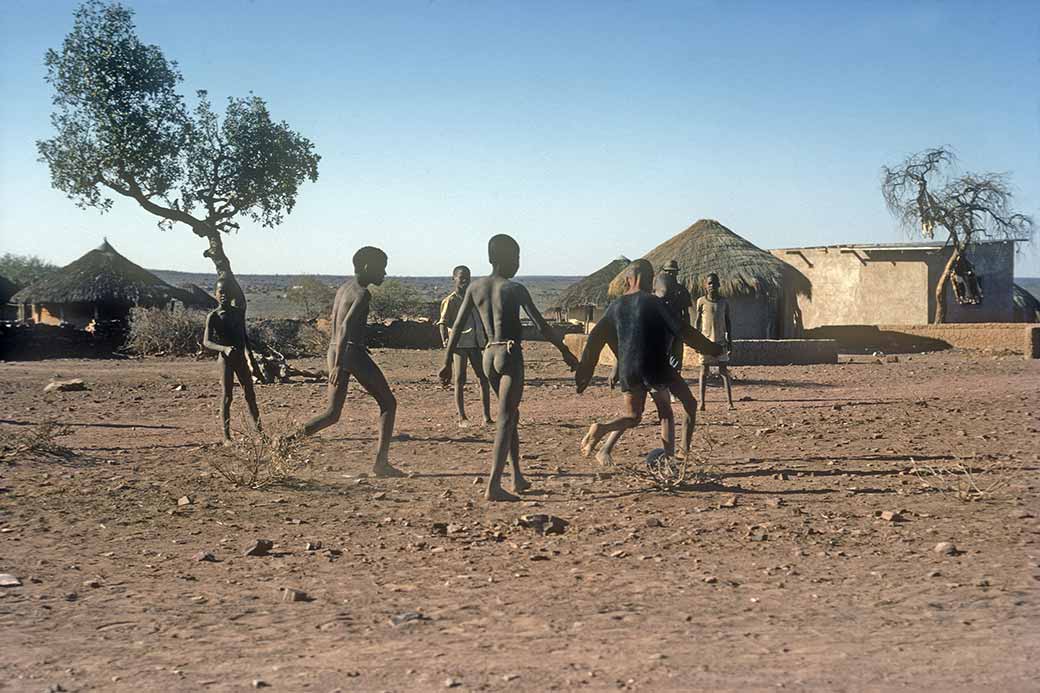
[[702, 407], [732, 408], [464, 422], [680, 454], [384, 470], [500, 494], [520, 484], [227, 442], [587, 443], [488, 421], [604, 458]]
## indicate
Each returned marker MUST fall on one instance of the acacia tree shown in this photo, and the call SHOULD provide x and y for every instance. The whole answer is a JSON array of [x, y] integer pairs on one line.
[[122, 128], [925, 195]]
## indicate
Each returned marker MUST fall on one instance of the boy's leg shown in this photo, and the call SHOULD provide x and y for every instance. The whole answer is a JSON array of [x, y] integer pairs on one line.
[[705, 370], [368, 375], [508, 386], [227, 382], [485, 387], [337, 395], [241, 367], [520, 484], [635, 402], [681, 391], [459, 383], [663, 400], [724, 372]]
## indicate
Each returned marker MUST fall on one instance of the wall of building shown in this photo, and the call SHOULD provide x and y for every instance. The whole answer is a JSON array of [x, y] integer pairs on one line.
[[875, 286], [898, 339]]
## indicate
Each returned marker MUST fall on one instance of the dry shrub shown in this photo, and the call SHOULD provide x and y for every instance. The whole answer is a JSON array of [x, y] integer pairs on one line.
[[672, 474], [963, 482], [291, 338], [159, 332], [257, 459], [41, 440]]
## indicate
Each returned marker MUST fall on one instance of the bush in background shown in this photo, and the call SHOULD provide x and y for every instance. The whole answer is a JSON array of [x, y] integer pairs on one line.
[[291, 338], [159, 332], [396, 300]]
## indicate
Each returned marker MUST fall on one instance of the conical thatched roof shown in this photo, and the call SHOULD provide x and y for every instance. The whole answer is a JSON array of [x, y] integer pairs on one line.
[[102, 276], [7, 289], [197, 297], [1025, 305], [744, 269], [593, 289]]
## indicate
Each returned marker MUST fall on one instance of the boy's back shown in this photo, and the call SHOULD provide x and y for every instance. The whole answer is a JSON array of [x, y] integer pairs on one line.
[[498, 302], [645, 330]]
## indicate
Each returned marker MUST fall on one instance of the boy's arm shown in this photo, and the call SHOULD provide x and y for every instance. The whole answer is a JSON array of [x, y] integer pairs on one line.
[[697, 320], [208, 342], [453, 338], [598, 338], [549, 333], [442, 324], [339, 354], [691, 336], [729, 328]]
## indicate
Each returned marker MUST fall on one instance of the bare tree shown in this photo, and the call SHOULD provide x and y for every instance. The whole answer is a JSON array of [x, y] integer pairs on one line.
[[925, 195]]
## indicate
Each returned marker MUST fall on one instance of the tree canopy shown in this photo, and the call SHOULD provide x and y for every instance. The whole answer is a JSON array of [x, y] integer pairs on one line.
[[123, 129], [24, 270]]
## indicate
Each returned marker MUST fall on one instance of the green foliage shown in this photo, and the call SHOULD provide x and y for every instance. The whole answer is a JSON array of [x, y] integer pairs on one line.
[[160, 332], [395, 299], [23, 270], [312, 297], [122, 127]]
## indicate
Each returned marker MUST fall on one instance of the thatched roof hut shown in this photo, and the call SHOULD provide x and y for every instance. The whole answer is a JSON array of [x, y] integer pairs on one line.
[[197, 297], [744, 269], [1026, 306], [101, 285], [755, 282], [594, 289]]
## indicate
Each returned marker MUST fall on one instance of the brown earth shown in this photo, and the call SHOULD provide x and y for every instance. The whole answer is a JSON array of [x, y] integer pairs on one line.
[[800, 584]]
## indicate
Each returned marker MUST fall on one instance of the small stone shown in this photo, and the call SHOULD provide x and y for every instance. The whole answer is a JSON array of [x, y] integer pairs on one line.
[[764, 431], [204, 556], [379, 496], [313, 546], [711, 579], [934, 574], [75, 385], [891, 516], [510, 677], [728, 502], [439, 528], [543, 524], [92, 584], [774, 502], [407, 617], [260, 547], [946, 548], [620, 553], [184, 500], [179, 388], [454, 528], [654, 522], [891, 358], [452, 683], [260, 683], [477, 481], [290, 595], [8, 580]]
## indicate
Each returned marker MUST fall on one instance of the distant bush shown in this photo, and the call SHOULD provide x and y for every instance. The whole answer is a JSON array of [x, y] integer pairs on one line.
[[395, 299], [159, 332], [292, 338], [312, 297]]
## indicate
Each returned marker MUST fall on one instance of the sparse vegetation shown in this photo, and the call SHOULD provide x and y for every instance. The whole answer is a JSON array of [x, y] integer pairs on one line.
[[292, 338], [961, 481], [159, 332], [312, 297], [40, 440], [23, 270], [257, 459], [395, 299]]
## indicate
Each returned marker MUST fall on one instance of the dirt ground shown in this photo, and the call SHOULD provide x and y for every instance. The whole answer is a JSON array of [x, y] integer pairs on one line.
[[779, 573]]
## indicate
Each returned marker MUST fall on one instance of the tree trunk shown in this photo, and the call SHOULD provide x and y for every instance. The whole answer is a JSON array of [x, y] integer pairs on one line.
[[940, 289]]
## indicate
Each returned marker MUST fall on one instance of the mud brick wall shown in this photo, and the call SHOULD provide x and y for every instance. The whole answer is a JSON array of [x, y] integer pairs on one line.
[[746, 352], [987, 336], [35, 341]]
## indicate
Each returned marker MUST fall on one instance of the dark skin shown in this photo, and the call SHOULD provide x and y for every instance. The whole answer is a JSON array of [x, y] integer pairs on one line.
[[639, 279], [498, 301], [348, 356], [225, 333], [711, 290], [461, 281]]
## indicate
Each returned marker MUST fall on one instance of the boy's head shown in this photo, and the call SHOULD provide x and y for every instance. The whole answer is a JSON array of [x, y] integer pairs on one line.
[[460, 277], [711, 285], [504, 255], [671, 267], [223, 300], [664, 284], [639, 276], [370, 266]]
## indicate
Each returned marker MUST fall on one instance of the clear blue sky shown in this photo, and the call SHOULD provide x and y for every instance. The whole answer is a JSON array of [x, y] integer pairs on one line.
[[585, 129]]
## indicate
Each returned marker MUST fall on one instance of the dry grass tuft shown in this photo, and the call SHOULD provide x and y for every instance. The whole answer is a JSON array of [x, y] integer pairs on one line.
[[963, 482], [258, 459], [41, 440]]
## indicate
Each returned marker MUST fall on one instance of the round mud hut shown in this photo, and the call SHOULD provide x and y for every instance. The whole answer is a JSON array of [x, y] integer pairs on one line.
[[587, 298], [755, 283], [101, 285]]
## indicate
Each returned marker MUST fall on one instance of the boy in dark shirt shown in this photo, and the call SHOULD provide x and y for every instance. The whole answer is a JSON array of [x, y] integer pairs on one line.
[[640, 329], [225, 333], [497, 301]]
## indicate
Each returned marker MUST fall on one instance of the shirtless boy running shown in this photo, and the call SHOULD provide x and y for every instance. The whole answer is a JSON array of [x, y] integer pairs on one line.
[[498, 301], [225, 333], [640, 330], [348, 356]]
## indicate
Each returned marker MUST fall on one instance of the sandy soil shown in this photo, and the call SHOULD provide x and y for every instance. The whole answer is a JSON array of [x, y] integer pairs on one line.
[[799, 584]]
